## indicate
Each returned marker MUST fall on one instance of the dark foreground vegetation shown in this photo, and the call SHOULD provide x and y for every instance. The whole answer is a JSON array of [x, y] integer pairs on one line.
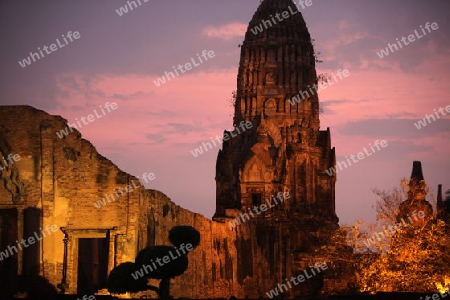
[[379, 296]]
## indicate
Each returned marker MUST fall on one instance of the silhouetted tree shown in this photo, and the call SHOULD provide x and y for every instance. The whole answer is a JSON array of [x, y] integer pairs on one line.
[[184, 235], [120, 280], [157, 262]]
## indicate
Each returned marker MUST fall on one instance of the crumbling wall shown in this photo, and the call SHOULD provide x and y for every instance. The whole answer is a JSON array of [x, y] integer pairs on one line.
[[64, 178]]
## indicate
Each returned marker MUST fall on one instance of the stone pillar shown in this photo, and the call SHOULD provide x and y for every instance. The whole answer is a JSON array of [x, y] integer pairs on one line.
[[47, 163]]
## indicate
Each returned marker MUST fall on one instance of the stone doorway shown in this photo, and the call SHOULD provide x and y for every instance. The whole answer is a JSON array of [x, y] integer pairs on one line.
[[92, 265]]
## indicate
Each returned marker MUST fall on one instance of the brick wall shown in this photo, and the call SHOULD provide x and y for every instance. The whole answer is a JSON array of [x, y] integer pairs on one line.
[[63, 178]]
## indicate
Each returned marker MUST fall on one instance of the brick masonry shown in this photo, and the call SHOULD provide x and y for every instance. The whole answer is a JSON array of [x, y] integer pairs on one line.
[[62, 178]]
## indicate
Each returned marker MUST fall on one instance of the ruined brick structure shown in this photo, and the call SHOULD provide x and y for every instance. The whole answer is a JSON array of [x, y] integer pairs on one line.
[[416, 200], [285, 151], [57, 181], [416, 196], [443, 205]]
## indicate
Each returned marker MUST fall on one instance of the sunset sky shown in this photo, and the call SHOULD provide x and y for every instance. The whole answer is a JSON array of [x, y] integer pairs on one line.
[[154, 129]]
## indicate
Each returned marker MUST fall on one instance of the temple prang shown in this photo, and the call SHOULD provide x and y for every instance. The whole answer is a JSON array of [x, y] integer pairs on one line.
[[285, 150], [416, 200]]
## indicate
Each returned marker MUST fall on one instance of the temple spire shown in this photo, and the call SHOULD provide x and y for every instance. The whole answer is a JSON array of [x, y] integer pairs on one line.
[[416, 196], [417, 173], [277, 64], [277, 93]]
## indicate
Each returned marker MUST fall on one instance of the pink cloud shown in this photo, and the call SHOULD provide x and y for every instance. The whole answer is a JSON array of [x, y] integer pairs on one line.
[[226, 32], [185, 110]]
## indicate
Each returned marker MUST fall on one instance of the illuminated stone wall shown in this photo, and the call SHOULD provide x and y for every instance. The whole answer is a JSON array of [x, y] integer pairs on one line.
[[62, 179]]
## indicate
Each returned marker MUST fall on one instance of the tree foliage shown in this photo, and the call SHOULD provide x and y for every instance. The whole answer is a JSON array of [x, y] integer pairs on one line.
[[184, 235], [232, 100], [120, 280], [418, 259], [404, 258], [175, 267], [126, 277]]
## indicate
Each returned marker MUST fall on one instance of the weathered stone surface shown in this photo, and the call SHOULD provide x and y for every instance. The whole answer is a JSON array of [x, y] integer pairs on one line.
[[58, 181], [63, 188], [62, 191], [416, 198], [284, 151]]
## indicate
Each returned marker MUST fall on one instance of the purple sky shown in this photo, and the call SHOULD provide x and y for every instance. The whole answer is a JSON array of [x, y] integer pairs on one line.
[[154, 129]]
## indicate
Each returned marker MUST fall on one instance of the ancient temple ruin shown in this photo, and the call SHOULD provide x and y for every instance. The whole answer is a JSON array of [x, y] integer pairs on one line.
[[285, 151], [417, 196], [57, 181]]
